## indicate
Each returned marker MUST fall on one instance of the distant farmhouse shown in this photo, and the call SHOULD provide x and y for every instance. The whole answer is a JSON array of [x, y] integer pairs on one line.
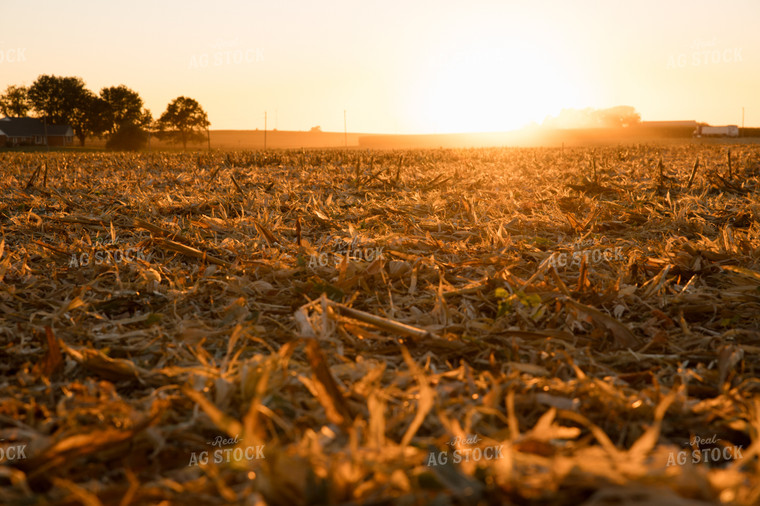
[[696, 129], [670, 124], [33, 132], [668, 129], [717, 131]]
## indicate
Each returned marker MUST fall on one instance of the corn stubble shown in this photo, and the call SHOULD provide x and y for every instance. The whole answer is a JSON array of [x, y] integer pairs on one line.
[[581, 378]]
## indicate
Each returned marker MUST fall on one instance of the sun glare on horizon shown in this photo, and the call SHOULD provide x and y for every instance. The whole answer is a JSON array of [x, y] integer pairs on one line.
[[404, 68], [491, 89]]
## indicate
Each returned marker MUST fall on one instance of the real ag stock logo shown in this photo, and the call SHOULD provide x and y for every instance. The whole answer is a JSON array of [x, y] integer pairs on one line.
[[226, 52], [590, 255], [705, 52], [705, 450], [341, 250], [465, 449], [102, 254], [12, 54], [11, 452], [226, 455]]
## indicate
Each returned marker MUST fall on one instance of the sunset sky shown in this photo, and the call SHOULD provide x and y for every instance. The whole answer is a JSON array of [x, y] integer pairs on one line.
[[399, 66]]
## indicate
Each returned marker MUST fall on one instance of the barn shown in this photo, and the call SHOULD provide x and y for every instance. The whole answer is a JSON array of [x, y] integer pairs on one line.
[[33, 132], [672, 129]]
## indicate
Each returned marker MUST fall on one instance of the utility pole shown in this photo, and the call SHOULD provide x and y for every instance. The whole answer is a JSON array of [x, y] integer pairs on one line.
[[265, 130], [742, 117], [44, 122], [208, 137], [345, 131]]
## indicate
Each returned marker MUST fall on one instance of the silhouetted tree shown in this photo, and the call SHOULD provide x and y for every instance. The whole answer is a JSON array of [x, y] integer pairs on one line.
[[15, 103], [620, 116], [129, 136], [183, 121], [614, 117], [65, 100], [125, 107], [98, 118]]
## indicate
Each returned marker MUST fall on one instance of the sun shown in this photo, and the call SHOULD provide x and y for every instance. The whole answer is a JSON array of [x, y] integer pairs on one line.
[[491, 90]]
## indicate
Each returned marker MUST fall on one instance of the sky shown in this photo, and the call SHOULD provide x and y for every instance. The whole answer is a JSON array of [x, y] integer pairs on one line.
[[399, 66]]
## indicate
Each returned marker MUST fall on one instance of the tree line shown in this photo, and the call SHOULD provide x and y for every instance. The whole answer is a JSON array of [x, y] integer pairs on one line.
[[117, 113], [614, 117]]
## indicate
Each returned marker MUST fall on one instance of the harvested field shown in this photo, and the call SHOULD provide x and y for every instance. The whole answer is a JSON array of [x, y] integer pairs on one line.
[[491, 326]]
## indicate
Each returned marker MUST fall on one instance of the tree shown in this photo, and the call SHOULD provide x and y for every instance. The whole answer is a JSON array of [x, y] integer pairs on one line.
[[620, 116], [614, 117], [87, 116], [129, 136], [183, 121], [125, 107], [15, 103], [98, 119], [55, 97], [65, 100]]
